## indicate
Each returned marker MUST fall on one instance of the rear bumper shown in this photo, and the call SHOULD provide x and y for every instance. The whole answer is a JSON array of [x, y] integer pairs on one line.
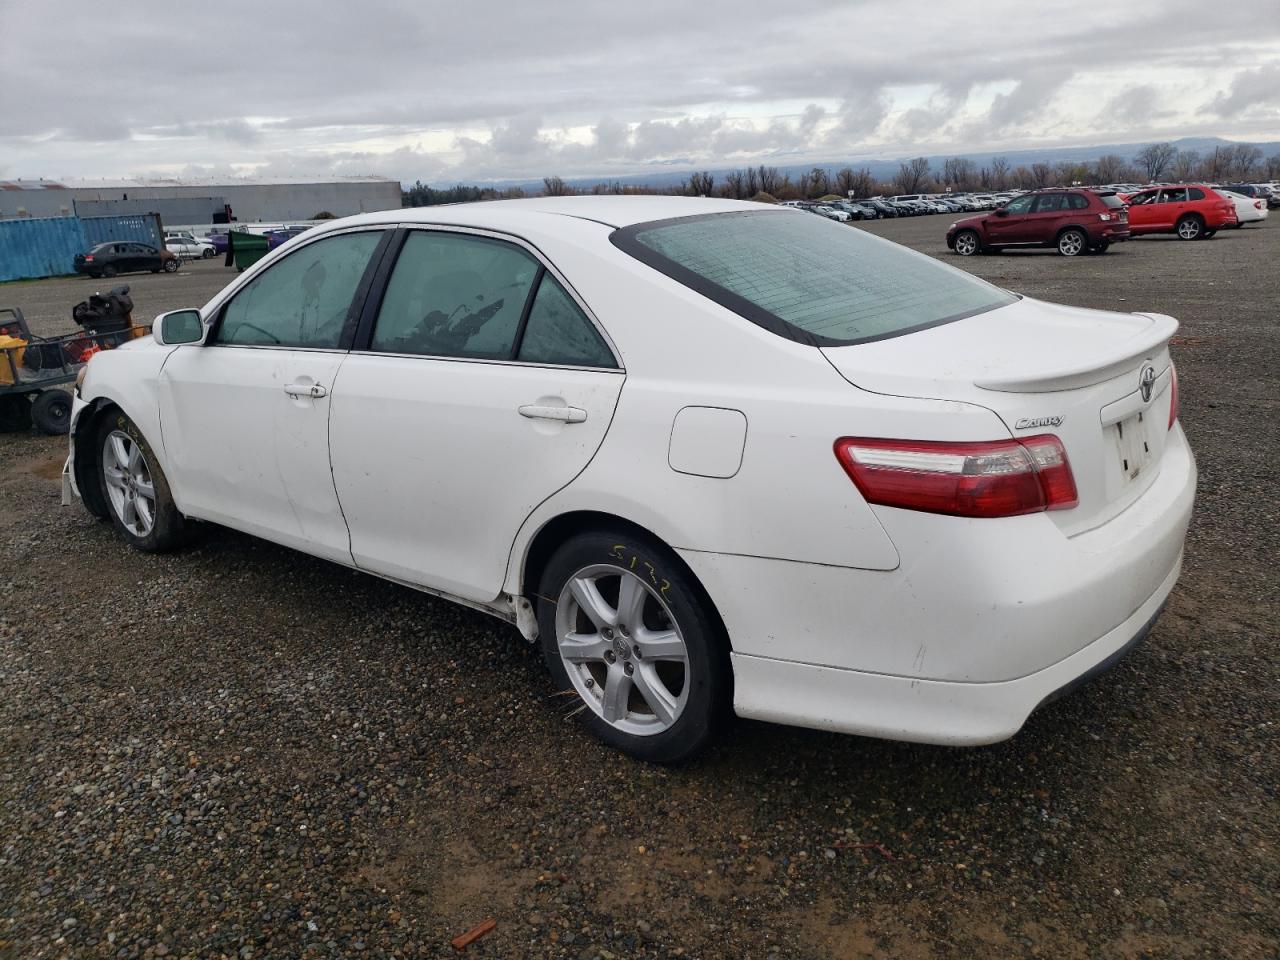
[[926, 711], [979, 624]]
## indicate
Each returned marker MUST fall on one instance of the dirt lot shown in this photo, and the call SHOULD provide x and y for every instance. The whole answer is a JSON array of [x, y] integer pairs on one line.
[[239, 751]]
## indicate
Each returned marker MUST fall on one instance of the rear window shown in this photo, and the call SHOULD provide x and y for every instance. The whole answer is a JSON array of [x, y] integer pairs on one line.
[[808, 278], [1112, 201]]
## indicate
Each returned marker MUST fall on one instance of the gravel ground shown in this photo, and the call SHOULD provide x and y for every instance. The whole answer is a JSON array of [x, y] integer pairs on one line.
[[239, 751]]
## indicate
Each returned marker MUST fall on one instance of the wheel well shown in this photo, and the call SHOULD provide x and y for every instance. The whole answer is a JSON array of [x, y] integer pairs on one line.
[[556, 531], [87, 453], [1071, 226], [1191, 216]]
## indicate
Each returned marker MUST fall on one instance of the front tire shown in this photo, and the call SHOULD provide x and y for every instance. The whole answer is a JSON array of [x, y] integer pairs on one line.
[[109, 271], [1189, 228], [135, 489], [967, 243], [625, 627], [1072, 243]]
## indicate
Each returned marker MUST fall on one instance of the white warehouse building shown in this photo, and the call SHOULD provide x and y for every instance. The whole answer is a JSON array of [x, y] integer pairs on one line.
[[269, 199]]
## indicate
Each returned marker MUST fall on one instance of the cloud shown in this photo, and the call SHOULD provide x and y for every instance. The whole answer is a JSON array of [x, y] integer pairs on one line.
[[595, 89], [1259, 87]]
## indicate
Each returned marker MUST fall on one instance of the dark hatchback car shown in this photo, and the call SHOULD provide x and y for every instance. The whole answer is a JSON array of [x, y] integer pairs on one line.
[[125, 256], [1074, 221]]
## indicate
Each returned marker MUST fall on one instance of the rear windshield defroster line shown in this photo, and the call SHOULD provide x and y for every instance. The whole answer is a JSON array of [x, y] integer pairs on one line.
[[807, 278]]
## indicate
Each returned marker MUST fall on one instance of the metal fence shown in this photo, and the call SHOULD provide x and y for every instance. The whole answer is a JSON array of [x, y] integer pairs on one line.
[[47, 246]]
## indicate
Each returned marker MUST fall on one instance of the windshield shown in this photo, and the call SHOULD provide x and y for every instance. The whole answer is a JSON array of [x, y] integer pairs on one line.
[[808, 278]]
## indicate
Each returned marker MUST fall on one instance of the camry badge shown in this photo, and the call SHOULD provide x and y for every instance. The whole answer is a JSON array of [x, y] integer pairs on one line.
[[1147, 382], [1028, 423]]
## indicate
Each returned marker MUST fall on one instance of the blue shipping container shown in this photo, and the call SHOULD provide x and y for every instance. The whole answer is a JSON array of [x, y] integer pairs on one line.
[[47, 246]]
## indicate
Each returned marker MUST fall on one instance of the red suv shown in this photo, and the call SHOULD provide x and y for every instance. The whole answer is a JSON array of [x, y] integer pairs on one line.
[[1074, 221], [1192, 211]]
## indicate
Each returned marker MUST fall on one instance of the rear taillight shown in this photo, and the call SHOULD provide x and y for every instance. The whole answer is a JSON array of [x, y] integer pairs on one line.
[[1257, 204], [88, 258], [1173, 395], [997, 478]]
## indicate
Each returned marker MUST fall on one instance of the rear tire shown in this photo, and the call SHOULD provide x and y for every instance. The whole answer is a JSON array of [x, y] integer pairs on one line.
[[1189, 228], [1208, 234], [651, 676], [1072, 242], [967, 243], [1102, 247], [51, 412], [134, 487], [109, 271]]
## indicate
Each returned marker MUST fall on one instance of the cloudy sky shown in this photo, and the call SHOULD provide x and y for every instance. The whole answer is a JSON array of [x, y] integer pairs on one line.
[[513, 88]]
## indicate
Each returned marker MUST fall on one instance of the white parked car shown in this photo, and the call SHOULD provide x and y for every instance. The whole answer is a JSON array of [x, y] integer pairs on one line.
[[1248, 209], [712, 456], [832, 213], [188, 247]]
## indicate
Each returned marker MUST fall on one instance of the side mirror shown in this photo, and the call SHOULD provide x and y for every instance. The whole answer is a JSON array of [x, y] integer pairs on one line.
[[178, 326], [1001, 212]]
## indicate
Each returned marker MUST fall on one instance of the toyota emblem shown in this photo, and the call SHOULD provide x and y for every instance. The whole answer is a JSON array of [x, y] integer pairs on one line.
[[1147, 382]]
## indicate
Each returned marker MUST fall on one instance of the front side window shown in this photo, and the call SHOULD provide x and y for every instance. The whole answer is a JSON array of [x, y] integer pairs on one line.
[[455, 295], [557, 331], [1176, 195], [1020, 205], [808, 278], [303, 300], [1141, 198]]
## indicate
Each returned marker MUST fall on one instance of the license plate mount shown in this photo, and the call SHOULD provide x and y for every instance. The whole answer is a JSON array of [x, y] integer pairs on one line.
[[1133, 445]]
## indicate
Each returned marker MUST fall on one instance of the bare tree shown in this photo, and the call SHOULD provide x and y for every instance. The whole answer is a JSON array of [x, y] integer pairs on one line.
[[555, 187], [1216, 165], [753, 182], [1041, 174], [912, 176], [770, 179], [1273, 166], [817, 184], [1109, 167], [1153, 159], [999, 173], [701, 184], [1023, 178], [735, 185], [844, 181], [1184, 165], [959, 174], [1072, 172], [1246, 159]]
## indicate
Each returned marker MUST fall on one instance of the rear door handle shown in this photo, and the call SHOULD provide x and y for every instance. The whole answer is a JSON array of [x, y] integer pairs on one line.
[[313, 390], [537, 411]]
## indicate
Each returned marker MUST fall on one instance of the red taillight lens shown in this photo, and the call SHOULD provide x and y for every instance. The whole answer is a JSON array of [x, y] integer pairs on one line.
[[1173, 395], [998, 478], [88, 258]]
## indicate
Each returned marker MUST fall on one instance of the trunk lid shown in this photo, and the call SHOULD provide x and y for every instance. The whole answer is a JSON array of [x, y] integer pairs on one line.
[[1045, 368]]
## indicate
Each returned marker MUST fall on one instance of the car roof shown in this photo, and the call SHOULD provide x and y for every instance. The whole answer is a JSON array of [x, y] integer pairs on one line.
[[612, 211]]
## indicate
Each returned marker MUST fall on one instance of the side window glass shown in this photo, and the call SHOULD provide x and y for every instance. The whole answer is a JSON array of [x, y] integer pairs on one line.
[[455, 295], [1020, 205], [558, 332], [1195, 193], [303, 300], [1078, 202], [1048, 202]]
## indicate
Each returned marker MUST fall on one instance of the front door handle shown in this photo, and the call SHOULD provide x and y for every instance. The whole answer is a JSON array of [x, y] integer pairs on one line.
[[313, 390], [538, 411]]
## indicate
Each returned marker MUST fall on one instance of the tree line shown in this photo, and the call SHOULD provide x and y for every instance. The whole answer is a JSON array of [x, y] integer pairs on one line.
[[1241, 162]]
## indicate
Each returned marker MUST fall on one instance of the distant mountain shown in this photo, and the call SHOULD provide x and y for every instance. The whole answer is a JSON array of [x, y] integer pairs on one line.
[[882, 167]]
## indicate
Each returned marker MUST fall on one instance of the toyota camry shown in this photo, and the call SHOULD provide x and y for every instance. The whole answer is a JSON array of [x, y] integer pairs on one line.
[[713, 457]]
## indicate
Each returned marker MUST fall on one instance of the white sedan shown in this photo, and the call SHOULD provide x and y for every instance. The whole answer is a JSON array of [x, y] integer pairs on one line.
[[1248, 209], [189, 247], [713, 456]]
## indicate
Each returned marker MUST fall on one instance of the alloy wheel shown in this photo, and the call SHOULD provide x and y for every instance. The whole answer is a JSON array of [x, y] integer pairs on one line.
[[1071, 243], [966, 244], [129, 484], [622, 649], [1189, 229]]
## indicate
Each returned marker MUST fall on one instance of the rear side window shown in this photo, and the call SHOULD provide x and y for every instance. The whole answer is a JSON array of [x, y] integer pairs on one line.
[[808, 278], [558, 332], [1077, 201], [1112, 201], [1196, 193], [455, 295]]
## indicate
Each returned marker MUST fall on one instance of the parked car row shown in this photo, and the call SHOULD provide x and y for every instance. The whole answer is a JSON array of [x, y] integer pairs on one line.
[[1082, 220]]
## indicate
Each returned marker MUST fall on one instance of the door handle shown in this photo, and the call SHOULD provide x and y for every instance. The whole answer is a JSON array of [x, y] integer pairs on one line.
[[537, 411], [313, 390]]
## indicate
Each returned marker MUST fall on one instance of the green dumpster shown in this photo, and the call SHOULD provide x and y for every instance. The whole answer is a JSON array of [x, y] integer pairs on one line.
[[245, 249]]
